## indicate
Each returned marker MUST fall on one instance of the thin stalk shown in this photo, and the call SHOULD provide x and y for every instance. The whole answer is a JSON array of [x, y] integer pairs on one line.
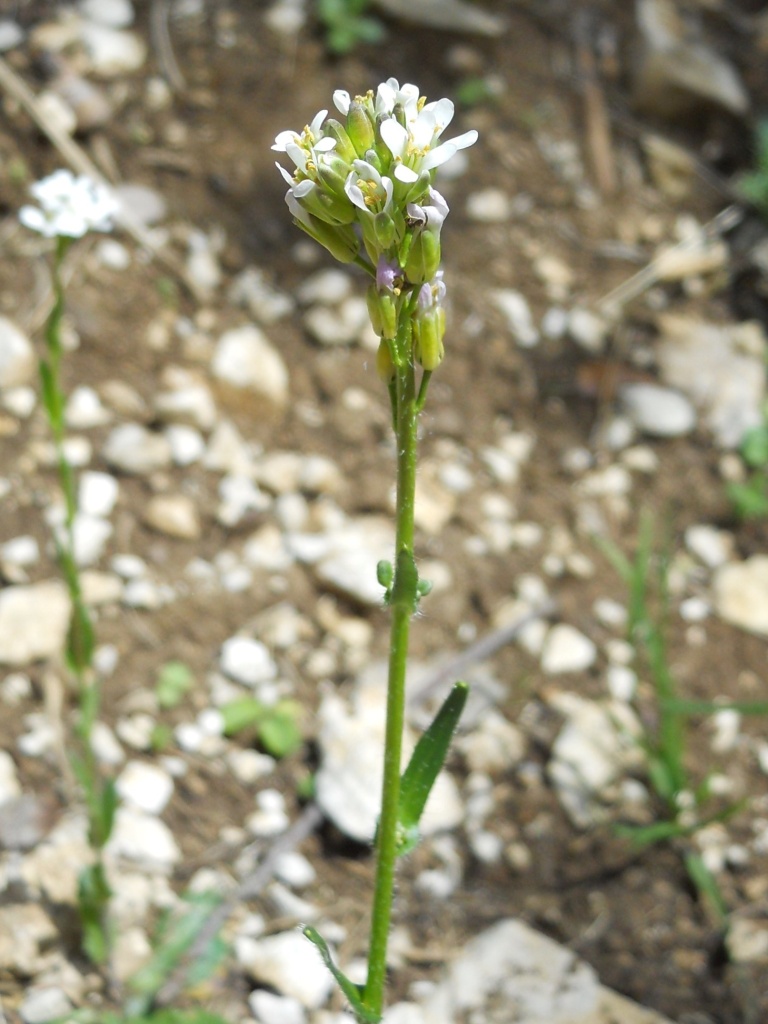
[[402, 603]]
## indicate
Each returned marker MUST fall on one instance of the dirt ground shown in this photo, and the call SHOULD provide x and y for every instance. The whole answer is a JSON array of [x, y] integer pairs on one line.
[[633, 916]]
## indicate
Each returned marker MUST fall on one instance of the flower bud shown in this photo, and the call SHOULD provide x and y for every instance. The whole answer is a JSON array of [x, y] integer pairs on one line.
[[384, 229], [382, 311], [332, 175], [423, 258], [326, 206], [340, 240], [385, 366], [335, 130], [428, 336], [360, 128]]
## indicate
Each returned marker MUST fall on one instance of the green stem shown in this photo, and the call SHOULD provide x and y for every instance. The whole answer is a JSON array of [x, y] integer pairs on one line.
[[403, 602]]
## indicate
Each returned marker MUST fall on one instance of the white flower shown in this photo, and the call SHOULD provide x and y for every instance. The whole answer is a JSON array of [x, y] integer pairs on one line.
[[69, 206], [389, 95], [367, 189], [303, 149], [414, 148], [431, 216]]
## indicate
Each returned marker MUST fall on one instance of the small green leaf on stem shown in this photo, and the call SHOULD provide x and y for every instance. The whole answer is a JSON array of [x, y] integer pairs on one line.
[[352, 991], [426, 762]]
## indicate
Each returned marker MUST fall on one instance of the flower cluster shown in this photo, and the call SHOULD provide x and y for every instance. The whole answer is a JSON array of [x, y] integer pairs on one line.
[[69, 206], [369, 181]]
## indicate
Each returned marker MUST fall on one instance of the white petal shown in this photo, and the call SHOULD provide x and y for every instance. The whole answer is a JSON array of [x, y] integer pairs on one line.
[[389, 188], [394, 136], [354, 192], [403, 173], [442, 111], [325, 145], [423, 130], [438, 156], [303, 188], [467, 139], [342, 100], [285, 174], [298, 155], [297, 209], [283, 139], [367, 171], [317, 121], [385, 97], [31, 217]]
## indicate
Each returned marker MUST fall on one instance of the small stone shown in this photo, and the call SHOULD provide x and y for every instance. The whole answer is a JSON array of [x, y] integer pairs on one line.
[[247, 661], [676, 72], [740, 594], [145, 787], [202, 266], [265, 304], [191, 403], [239, 496], [17, 356], [43, 1004], [11, 35], [244, 359], [113, 254], [144, 840], [105, 745], [248, 766], [141, 205], [511, 965], [711, 546], [24, 929], [187, 444], [489, 206], [20, 551], [133, 449], [33, 622], [115, 13], [269, 1008], [97, 494], [112, 52], [587, 329], [517, 313], [175, 515], [270, 817], [340, 326], [9, 782], [567, 650], [84, 410], [747, 941], [658, 411], [288, 963], [326, 286], [293, 869]]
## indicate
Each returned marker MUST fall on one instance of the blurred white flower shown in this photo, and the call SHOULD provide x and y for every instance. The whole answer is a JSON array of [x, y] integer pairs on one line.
[[69, 206]]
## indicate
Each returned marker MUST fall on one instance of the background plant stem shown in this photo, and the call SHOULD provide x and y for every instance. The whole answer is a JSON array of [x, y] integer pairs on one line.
[[402, 603]]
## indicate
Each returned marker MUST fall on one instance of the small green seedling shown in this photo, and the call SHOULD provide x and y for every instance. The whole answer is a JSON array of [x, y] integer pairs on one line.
[[174, 681], [346, 24], [685, 802], [276, 726], [750, 498]]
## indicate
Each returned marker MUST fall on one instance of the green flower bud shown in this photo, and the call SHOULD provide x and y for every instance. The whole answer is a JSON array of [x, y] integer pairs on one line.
[[360, 127], [385, 366], [382, 311], [423, 258], [384, 228], [340, 240], [344, 148], [330, 208], [428, 336], [374, 309], [373, 158], [333, 176]]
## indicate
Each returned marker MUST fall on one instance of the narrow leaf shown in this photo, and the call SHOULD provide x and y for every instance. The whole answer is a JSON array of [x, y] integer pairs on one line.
[[352, 991], [428, 758]]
